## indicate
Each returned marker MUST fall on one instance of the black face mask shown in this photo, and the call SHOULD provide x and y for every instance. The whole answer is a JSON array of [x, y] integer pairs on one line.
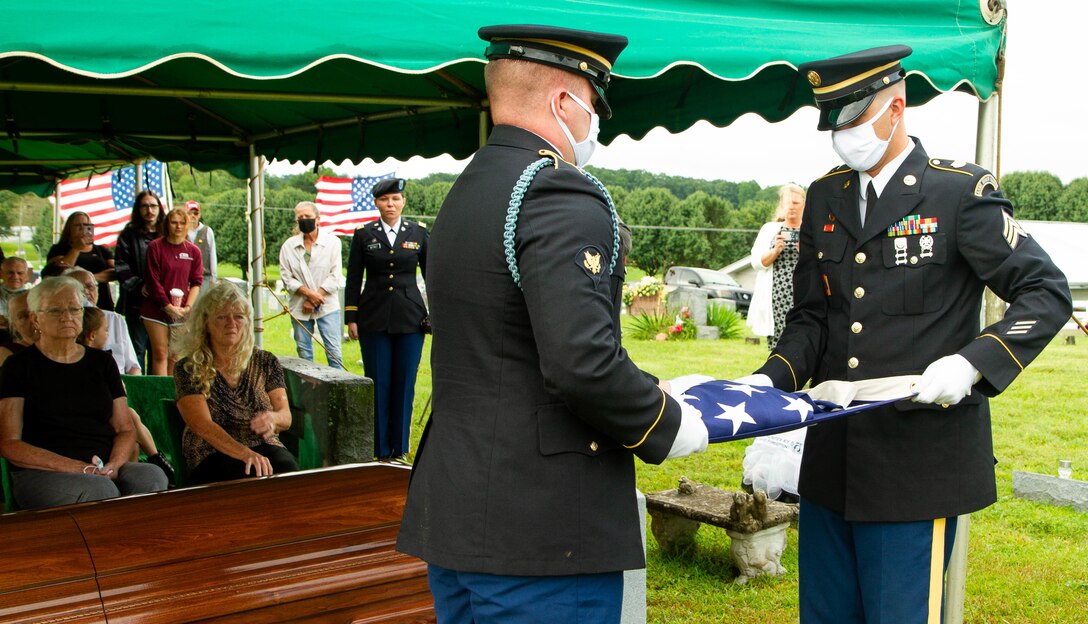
[[307, 225]]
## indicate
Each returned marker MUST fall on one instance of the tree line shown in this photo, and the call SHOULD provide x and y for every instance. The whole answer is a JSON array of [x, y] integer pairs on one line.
[[675, 219]]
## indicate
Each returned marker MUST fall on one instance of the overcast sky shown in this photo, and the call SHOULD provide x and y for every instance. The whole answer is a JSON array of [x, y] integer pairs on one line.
[[1043, 124]]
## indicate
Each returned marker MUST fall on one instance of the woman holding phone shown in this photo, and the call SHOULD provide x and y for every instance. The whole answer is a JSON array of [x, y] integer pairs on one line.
[[774, 257]]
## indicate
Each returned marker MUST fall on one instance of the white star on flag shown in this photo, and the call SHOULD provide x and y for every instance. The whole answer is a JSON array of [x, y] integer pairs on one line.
[[745, 388], [735, 414], [802, 407]]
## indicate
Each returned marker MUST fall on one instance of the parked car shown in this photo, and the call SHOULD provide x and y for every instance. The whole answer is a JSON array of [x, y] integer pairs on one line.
[[717, 285]]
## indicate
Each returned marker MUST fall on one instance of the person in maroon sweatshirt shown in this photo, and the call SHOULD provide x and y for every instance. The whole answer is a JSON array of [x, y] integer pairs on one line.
[[173, 264]]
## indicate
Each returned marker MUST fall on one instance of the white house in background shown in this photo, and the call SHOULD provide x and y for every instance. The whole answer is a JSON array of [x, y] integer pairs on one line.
[[1067, 244]]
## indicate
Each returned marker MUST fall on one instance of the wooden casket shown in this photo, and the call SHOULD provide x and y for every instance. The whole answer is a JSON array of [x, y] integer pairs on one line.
[[315, 546]]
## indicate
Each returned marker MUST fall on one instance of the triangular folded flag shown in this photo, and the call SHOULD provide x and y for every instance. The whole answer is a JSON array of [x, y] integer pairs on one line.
[[735, 411]]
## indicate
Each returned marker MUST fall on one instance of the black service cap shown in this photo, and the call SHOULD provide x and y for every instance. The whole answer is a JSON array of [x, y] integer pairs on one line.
[[387, 186], [844, 86], [588, 54]]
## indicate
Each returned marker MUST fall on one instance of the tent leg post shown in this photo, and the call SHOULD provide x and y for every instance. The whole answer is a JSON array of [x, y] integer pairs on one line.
[[986, 155], [255, 223]]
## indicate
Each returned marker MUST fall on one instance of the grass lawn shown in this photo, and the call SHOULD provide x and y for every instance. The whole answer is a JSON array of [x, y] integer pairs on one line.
[[1027, 563]]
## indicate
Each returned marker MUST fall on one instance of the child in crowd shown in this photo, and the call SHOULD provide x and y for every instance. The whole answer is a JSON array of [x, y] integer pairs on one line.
[[95, 335]]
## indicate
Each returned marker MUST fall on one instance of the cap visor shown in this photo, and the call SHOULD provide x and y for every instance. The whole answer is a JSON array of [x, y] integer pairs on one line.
[[601, 105], [839, 117]]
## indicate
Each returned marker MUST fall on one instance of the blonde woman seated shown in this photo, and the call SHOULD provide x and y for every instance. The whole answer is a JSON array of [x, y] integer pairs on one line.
[[231, 395], [70, 446]]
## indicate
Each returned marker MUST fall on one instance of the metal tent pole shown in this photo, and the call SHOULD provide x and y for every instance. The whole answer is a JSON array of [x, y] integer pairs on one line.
[[140, 176], [255, 224], [986, 148], [56, 216]]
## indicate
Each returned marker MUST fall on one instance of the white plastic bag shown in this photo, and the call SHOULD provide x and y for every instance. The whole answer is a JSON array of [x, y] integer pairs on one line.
[[772, 463]]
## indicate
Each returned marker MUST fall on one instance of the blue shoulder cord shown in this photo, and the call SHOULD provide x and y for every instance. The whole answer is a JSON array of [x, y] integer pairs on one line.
[[514, 209]]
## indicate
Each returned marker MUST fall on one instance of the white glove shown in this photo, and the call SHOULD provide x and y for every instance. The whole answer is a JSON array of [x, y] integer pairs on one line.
[[946, 381], [692, 437], [758, 379]]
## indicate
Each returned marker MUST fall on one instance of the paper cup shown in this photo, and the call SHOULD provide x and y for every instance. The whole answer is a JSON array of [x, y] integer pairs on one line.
[[175, 296]]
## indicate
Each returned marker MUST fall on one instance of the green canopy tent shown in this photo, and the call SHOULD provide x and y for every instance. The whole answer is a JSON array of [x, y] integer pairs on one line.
[[220, 85], [86, 86]]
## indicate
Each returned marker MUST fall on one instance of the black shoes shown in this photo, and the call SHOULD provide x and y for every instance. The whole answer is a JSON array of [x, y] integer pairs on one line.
[[160, 460], [395, 459]]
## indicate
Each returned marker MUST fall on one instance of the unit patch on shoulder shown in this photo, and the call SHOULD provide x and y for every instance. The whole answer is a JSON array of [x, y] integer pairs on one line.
[[1013, 232], [986, 180], [588, 259]]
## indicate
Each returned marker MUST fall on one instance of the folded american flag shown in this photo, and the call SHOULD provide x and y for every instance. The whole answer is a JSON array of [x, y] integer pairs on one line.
[[735, 411]]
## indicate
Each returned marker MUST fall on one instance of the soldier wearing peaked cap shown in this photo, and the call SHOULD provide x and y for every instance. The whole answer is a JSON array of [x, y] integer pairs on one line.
[[896, 247], [522, 497], [387, 314]]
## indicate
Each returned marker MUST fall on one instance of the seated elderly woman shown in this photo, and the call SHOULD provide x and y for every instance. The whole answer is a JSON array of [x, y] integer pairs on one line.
[[22, 333], [231, 395], [71, 446]]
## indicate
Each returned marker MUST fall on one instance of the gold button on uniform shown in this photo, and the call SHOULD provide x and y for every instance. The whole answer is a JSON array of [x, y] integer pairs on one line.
[[852, 362], [593, 446], [390, 252], [820, 255], [860, 257], [856, 328], [390, 289], [390, 265], [390, 276], [914, 259], [859, 292]]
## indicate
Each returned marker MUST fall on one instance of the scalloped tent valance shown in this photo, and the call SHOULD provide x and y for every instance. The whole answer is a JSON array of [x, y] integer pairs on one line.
[[92, 86]]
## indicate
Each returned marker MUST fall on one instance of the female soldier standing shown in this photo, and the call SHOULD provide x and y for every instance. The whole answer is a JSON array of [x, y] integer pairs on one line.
[[388, 315]]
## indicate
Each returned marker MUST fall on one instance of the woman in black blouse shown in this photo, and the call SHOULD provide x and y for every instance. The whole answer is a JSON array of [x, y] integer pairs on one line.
[[76, 248], [71, 446]]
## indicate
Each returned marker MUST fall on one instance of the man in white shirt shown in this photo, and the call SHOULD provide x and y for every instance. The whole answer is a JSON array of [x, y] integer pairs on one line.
[[310, 266], [118, 344]]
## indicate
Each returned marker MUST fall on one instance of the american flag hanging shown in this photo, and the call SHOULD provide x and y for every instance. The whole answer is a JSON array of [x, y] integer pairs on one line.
[[735, 411], [346, 203], [107, 198]]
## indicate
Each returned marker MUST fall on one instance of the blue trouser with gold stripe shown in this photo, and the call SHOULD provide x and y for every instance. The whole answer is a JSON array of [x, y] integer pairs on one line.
[[391, 361], [871, 572]]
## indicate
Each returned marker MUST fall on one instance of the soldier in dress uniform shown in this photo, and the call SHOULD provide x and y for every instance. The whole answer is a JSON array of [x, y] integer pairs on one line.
[[522, 499], [387, 316], [896, 247]]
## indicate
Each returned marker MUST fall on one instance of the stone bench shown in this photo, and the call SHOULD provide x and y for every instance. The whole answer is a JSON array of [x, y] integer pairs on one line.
[[756, 526]]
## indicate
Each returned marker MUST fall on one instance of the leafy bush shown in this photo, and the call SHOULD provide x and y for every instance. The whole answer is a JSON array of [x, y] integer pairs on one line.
[[728, 322], [647, 326]]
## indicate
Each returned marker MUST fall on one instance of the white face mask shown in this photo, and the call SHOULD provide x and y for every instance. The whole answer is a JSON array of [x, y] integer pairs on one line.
[[859, 147], [583, 149]]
